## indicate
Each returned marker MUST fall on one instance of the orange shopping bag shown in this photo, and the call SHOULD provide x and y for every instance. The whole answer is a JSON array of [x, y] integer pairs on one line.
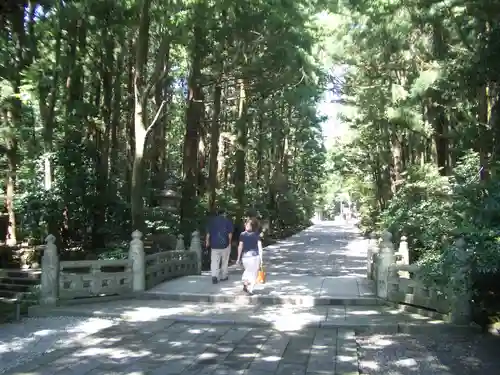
[[261, 276]]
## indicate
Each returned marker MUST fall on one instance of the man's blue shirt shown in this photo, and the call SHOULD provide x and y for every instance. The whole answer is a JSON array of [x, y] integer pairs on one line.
[[219, 229]]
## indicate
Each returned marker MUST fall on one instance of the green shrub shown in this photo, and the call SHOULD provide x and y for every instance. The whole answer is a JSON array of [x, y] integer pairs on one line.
[[433, 211]]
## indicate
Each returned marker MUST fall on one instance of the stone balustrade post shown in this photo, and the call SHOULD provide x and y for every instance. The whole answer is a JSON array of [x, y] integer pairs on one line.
[[49, 292], [137, 256], [460, 286], [404, 252], [96, 283], [372, 250], [196, 247], [180, 243], [385, 260]]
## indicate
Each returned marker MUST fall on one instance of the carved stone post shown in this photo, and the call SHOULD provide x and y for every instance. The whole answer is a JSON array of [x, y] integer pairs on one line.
[[180, 243], [136, 254], [404, 252], [385, 259], [96, 283], [372, 250], [49, 293], [196, 247], [460, 288]]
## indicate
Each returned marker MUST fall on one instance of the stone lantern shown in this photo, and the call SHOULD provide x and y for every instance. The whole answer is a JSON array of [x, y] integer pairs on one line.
[[169, 199], [164, 211]]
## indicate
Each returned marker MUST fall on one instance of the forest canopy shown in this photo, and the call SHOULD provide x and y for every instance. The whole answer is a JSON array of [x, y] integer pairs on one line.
[[420, 94], [105, 104]]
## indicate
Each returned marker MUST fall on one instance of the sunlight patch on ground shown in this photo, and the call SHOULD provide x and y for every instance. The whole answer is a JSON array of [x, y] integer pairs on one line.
[[114, 353], [406, 362], [372, 365], [71, 328]]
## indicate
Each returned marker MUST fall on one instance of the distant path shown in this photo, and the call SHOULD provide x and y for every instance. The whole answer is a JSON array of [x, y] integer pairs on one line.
[[324, 249]]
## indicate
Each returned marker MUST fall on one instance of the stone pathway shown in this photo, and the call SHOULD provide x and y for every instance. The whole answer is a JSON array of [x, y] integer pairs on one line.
[[322, 263], [326, 249], [164, 347], [428, 354], [283, 317], [23, 341]]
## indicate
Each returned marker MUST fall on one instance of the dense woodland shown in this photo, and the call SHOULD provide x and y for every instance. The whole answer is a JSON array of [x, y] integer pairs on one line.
[[421, 98], [106, 102]]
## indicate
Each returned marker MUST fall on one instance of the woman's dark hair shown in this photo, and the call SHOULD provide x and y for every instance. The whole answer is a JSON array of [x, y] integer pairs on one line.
[[254, 224]]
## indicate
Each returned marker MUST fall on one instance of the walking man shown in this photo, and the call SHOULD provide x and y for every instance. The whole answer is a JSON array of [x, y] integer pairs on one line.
[[219, 236]]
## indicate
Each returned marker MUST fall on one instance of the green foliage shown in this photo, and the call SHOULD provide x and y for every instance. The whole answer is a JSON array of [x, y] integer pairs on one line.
[[433, 211], [69, 72], [421, 209], [408, 76], [420, 85]]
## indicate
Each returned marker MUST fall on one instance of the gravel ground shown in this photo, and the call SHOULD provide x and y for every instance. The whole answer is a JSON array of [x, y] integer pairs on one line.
[[440, 354], [24, 341]]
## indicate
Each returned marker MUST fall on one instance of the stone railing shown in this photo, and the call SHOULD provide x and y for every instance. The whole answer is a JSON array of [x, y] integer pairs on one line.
[[167, 265], [70, 280], [400, 282], [92, 278]]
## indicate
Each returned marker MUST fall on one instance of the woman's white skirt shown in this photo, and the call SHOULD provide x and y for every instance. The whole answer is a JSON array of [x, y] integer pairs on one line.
[[251, 263]]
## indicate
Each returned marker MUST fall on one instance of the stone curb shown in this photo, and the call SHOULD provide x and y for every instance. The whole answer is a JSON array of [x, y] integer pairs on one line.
[[375, 328], [262, 300], [418, 310]]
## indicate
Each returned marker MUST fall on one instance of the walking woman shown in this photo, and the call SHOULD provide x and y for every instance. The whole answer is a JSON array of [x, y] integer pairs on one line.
[[250, 254]]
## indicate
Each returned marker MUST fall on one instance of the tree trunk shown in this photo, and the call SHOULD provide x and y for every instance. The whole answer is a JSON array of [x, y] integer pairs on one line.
[[241, 146], [194, 121], [214, 149], [140, 118], [396, 166], [103, 143], [484, 112], [47, 104], [163, 95], [116, 117], [13, 116], [129, 128], [437, 112], [260, 146]]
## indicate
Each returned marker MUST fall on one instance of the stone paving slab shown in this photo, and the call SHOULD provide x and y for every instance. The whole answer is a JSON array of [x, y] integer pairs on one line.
[[34, 336], [283, 317], [195, 349], [428, 354], [165, 347]]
